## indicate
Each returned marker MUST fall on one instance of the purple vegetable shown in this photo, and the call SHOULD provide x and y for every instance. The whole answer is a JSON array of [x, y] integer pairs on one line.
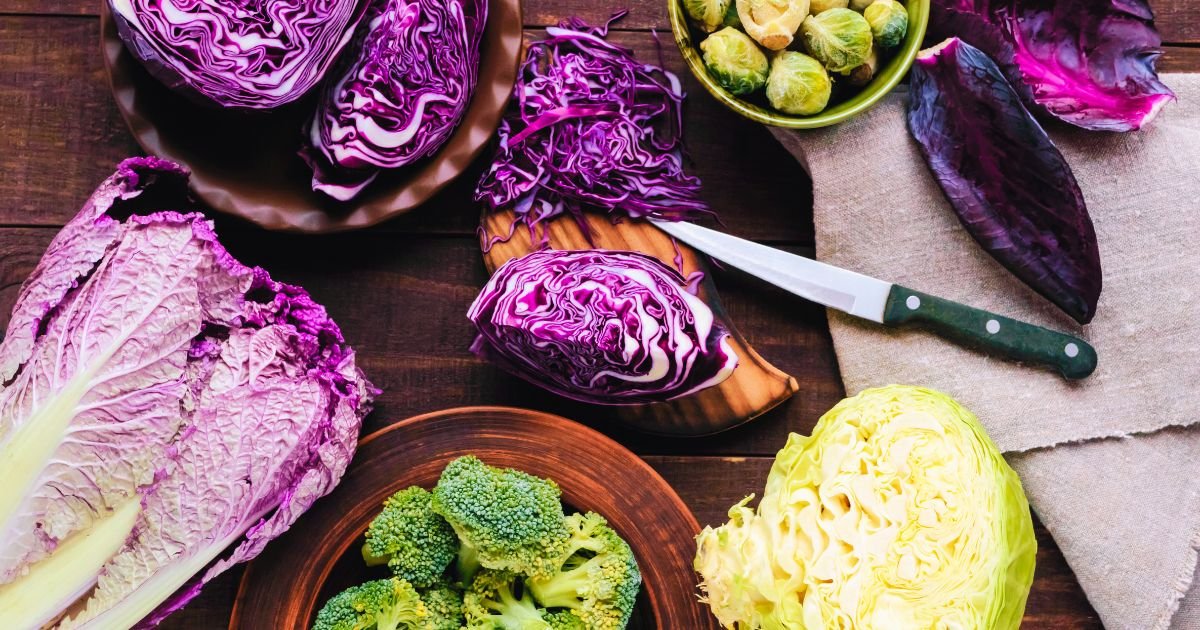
[[1008, 183], [1088, 62], [244, 54], [402, 98], [163, 402], [604, 327], [594, 130]]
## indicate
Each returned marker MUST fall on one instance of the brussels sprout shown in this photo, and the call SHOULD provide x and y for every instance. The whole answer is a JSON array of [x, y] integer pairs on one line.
[[731, 17], [863, 74], [708, 14], [888, 20], [838, 38], [798, 84], [818, 6], [772, 23], [735, 61], [860, 5]]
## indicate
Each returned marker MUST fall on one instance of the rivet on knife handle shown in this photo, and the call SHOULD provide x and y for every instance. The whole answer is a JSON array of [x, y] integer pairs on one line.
[[992, 333]]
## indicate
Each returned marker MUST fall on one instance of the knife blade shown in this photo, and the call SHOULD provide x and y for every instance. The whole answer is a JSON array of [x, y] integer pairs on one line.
[[892, 304]]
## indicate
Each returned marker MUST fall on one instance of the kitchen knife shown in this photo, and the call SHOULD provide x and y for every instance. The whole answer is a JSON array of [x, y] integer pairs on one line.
[[892, 304]]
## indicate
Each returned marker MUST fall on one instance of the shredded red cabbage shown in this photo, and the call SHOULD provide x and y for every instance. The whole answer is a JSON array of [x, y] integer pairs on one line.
[[595, 130]]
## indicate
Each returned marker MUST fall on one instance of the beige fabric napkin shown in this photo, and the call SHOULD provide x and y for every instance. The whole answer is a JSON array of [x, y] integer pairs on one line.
[[1109, 463]]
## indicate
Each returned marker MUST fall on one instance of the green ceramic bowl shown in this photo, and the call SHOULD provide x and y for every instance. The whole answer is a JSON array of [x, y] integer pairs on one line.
[[885, 79]]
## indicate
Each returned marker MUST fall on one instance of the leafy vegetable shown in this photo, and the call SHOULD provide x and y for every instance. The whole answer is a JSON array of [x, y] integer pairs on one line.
[[772, 23], [606, 327], [817, 6], [255, 55], [888, 20], [402, 98], [414, 542], [1008, 183], [735, 61], [839, 38], [897, 512], [708, 14], [1087, 62], [390, 604], [161, 403], [798, 84], [594, 130]]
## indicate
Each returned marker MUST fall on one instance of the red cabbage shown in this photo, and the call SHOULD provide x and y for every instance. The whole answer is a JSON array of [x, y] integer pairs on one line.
[[402, 98], [244, 54], [594, 130], [1008, 183], [1088, 62], [604, 327]]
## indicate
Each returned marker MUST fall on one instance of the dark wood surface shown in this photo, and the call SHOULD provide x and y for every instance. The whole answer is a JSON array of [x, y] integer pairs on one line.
[[400, 291]]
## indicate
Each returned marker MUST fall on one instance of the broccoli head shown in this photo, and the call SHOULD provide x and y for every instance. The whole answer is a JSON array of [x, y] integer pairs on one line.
[[416, 543], [564, 620], [509, 520], [444, 603], [597, 577], [499, 600], [391, 604]]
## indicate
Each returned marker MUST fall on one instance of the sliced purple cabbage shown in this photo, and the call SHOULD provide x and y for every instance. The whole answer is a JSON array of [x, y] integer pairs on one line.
[[594, 130], [603, 327], [150, 370], [1087, 62], [402, 98], [1008, 183], [241, 54]]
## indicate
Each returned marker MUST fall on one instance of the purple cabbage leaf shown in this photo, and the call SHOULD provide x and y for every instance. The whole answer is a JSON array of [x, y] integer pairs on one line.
[[402, 98], [252, 55], [603, 327], [161, 404], [1087, 62], [1010, 186]]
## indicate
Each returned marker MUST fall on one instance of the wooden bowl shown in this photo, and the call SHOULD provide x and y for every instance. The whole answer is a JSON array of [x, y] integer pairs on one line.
[[246, 163], [319, 556]]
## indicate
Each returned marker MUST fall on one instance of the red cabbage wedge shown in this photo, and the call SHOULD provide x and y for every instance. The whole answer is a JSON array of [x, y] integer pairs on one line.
[[161, 404], [242, 54], [402, 98], [1088, 62], [1008, 183], [604, 327]]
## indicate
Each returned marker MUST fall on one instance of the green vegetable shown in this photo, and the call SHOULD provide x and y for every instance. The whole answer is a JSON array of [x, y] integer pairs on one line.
[[860, 5], [708, 14], [735, 61], [897, 512], [818, 6], [598, 578], [839, 38], [391, 604], [416, 543], [863, 74], [731, 17], [888, 20], [508, 519], [445, 604], [772, 23], [498, 599], [798, 84]]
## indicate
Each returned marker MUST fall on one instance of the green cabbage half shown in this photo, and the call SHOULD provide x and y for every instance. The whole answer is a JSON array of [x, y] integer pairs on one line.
[[898, 512]]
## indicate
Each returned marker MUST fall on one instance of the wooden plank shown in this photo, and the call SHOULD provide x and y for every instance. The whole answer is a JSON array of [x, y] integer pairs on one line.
[[1180, 59]]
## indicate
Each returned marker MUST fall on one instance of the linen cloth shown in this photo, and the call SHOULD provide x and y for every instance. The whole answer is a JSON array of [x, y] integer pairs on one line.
[[1111, 464]]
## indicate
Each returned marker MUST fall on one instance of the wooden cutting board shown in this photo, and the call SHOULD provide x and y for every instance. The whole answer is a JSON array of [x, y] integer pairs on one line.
[[755, 387]]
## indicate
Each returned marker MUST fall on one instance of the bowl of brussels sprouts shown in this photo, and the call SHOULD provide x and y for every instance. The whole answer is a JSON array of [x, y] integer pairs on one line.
[[799, 63]]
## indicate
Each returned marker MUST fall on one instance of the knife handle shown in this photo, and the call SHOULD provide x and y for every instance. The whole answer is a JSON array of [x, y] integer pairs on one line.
[[1016, 340]]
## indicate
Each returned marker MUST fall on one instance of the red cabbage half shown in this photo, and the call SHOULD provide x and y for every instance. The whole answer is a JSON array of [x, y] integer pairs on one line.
[[1010, 186], [165, 411], [604, 327], [402, 98], [1088, 62], [254, 54]]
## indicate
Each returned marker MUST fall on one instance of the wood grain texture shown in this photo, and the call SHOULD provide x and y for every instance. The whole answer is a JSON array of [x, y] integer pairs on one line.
[[320, 556]]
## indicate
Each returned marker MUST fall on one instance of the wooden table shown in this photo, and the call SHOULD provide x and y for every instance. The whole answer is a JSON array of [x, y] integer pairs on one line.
[[400, 292]]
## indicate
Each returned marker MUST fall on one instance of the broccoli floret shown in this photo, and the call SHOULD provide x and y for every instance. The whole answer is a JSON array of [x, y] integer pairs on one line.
[[391, 604], [564, 620], [597, 579], [499, 600], [416, 543], [508, 519], [444, 603]]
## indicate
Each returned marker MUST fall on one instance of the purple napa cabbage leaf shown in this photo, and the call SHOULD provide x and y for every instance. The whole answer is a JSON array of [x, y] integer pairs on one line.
[[1087, 62], [253, 55], [603, 327], [402, 98], [149, 366], [1012, 189]]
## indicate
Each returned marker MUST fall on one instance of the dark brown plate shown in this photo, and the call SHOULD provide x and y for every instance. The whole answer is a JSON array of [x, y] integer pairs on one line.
[[246, 163], [319, 556]]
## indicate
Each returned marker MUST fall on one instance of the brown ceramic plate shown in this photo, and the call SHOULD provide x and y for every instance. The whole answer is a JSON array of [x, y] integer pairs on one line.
[[319, 556], [246, 163]]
